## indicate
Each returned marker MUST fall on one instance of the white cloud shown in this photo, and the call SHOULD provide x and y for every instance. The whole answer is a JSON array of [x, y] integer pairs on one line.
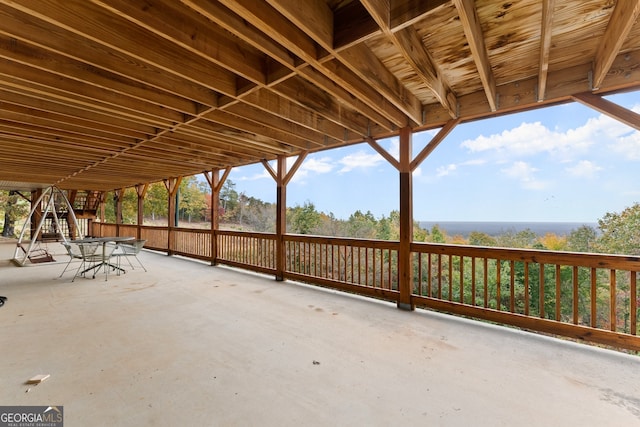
[[445, 170], [360, 160], [525, 174], [627, 146], [533, 138], [321, 165], [584, 169], [264, 174]]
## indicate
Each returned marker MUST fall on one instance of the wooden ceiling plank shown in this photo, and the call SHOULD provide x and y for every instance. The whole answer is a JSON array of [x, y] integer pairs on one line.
[[546, 26], [473, 31], [613, 110], [225, 18], [361, 61], [36, 84], [271, 22], [105, 28], [192, 32], [362, 113], [313, 16], [622, 19], [315, 19], [65, 68], [240, 123], [268, 101], [24, 117], [407, 13], [268, 119], [51, 38], [415, 53], [80, 116]]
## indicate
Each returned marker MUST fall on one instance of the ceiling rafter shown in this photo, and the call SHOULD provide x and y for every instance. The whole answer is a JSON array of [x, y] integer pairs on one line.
[[272, 22], [475, 39], [625, 14], [317, 22], [414, 52], [105, 94], [546, 25]]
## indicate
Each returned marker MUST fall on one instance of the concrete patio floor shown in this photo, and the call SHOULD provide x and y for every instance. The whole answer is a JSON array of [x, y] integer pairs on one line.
[[193, 345]]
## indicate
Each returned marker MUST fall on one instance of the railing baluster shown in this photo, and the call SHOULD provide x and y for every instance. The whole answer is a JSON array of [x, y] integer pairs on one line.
[[485, 274], [633, 315], [498, 285], [473, 281], [612, 303], [558, 293], [541, 287], [594, 314], [512, 287], [575, 299]]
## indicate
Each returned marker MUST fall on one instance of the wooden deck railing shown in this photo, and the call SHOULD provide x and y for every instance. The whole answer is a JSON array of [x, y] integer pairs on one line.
[[590, 297], [584, 296], [363, 266]]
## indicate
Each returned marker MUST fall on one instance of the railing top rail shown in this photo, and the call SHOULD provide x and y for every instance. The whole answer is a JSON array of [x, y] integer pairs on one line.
[[377, 244], [580, 259]]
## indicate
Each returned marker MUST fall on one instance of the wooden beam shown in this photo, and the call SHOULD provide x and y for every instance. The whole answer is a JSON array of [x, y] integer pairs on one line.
[[475, 38], [416, 54], [313, 16], [545, 45], [615, 111], [384, 153], [435, 141], [294, 168], [622, 19], [198, 36]]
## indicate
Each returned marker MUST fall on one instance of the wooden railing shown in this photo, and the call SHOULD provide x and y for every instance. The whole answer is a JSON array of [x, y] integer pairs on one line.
[[590, 297], [584, 296], [363, 266], [255, 251]]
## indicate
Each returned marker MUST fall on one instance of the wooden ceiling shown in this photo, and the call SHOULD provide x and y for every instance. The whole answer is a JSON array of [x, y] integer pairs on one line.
[[104, 94]]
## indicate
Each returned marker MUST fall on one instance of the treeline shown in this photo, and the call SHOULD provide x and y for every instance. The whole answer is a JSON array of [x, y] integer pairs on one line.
[[618, 232]]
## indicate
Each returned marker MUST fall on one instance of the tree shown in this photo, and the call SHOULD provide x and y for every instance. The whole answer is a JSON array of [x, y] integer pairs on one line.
[[14, 208], [192, 200], [156, 201], [438, 235], [228, 196], [621, 231], [582, 239], [553, 242], [304, 219], [362, 225], [477, 238]]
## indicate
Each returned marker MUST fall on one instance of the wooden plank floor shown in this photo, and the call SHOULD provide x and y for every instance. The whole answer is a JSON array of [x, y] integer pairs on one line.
[[190, 344]]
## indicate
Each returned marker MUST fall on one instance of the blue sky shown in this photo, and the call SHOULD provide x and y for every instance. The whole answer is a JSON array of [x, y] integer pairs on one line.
[[564, 163]]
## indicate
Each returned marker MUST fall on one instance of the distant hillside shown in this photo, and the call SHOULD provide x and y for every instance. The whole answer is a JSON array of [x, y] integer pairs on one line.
[[496, 228]]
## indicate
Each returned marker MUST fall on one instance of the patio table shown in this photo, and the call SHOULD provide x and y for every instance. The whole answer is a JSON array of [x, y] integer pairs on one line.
[[105, 259]]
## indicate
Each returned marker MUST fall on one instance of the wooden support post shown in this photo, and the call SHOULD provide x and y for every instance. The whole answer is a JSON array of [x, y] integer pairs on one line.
[[172, 185], [281, 216], [216, 183], [141, 191], [37, 213], [118, 196], [405, 270]]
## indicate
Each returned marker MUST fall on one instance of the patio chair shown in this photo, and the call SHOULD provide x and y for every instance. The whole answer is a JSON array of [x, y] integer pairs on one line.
[[130, 249], [73, 250], [89, 258], [95, 255]]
